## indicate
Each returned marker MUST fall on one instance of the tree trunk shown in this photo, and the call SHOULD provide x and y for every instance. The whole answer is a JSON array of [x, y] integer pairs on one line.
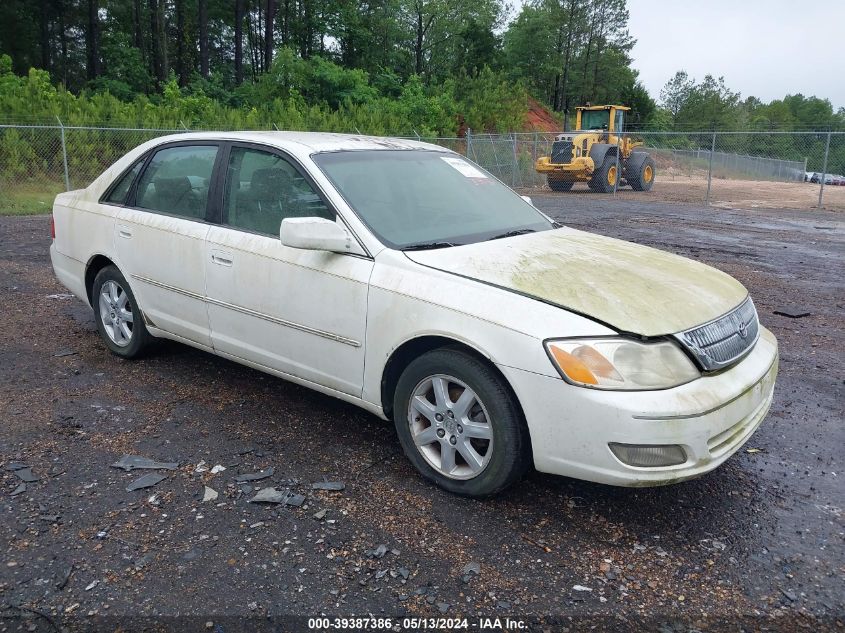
[[253, 43], [162, 39], [137, 29], [559, 51], [181, 66], [567, 55], [155, 43], [45, 35], [203, 24], [268, 34], [586, 66], [92, 40], [418, 45], [556, 97], [63, 39], [599, 40], [308, 31], [286, 24], [239, 42]]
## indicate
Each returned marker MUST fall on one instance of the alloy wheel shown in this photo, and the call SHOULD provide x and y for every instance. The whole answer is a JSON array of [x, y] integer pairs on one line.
[[450, 427], [116, 313]]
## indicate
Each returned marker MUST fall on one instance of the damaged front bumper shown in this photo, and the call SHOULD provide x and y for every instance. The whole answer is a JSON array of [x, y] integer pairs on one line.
[[573, 429]]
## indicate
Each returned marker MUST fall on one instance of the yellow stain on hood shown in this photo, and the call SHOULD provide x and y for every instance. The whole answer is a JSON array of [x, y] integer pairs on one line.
[[630, 287]]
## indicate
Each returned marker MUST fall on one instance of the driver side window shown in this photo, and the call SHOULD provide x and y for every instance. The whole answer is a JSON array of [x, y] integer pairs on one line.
[[176, 181], [262, 189]]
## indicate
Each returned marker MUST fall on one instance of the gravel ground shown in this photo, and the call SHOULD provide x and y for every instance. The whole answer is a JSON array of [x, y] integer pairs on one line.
[[761, 538]]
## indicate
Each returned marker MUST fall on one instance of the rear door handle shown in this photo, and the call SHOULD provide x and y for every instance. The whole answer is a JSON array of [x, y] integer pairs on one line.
[[124, 231], [221, 258]]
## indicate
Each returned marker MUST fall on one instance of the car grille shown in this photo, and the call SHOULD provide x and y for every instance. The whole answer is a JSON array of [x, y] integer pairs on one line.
[[562, 152], [722, 342]]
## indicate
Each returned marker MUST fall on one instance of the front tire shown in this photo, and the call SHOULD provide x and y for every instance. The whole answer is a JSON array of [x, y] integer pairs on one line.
[[459, 423], [605, 177], [119, 321]]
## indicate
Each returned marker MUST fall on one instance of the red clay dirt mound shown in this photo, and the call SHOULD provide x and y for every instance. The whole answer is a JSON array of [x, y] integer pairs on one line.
[[540, 119]]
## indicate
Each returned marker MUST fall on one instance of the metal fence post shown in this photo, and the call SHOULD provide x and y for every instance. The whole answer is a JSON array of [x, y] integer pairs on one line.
[[824, 169], [469, 143], [710, 170], [64, 153]]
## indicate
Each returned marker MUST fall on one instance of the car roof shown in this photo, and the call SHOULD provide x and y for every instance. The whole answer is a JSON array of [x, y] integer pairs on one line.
[[312, 142]]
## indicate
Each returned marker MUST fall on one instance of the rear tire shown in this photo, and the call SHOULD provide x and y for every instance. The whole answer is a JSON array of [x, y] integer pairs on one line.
[[119, 320], [448, 404], [604, 178], [556, 183], [641, 176]]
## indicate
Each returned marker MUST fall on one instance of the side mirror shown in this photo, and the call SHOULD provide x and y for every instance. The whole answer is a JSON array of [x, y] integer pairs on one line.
[[315, 234], [527, 199]]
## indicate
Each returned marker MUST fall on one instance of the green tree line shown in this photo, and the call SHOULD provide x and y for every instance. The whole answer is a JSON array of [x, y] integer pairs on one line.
[[472, 64], [344, 65], [400, 67]]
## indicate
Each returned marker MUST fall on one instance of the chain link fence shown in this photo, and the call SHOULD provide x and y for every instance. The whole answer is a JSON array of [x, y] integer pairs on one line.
[[800, 170]]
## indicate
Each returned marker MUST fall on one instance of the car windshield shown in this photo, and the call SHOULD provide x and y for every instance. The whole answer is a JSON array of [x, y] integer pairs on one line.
[[427, 199]]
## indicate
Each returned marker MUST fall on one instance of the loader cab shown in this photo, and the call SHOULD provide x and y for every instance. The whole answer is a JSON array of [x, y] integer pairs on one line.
[[608, 118]]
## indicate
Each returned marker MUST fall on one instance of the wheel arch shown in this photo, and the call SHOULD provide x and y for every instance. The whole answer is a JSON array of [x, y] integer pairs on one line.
[[92, 268], [636, 159], [599, 151], [402, 356]]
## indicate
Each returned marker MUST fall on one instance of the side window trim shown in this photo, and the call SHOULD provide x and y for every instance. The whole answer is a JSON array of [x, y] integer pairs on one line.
[[301, 170], [214, 213], [290, 160], [104, 199], [131, 200]]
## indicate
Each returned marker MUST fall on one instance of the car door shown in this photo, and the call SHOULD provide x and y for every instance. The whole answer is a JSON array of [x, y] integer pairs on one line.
[[299, 312], [160, 237]]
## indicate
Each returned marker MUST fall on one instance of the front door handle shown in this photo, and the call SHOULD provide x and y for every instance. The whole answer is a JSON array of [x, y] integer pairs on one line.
[[221, 258], [124, 231]]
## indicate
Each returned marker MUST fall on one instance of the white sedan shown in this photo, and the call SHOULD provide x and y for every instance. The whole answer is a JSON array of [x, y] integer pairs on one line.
[[403, 278]]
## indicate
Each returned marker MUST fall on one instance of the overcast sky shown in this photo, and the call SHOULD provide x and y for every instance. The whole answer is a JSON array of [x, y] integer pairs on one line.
[[765, 48]]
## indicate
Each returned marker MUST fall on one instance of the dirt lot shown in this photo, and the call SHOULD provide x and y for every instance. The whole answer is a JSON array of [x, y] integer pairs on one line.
[[761, 538], [728, 193]]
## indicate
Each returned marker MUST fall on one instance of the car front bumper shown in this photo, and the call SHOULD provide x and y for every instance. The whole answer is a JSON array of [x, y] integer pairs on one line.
[[710, 418]]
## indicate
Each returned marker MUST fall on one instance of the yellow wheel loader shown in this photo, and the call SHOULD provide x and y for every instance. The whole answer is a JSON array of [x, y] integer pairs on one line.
[[589, 154]]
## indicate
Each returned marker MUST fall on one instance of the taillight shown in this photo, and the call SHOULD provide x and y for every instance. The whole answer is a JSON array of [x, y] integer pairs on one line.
[[52, 227]]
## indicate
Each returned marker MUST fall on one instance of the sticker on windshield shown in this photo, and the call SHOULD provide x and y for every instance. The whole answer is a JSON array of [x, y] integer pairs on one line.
[[464, 167]]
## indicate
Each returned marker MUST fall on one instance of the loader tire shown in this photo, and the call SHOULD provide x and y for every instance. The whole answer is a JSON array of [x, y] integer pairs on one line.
[[605, 177], [640, 172]]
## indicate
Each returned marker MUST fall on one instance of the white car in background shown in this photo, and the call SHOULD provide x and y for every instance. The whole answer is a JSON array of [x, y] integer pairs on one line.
[[399, 276]]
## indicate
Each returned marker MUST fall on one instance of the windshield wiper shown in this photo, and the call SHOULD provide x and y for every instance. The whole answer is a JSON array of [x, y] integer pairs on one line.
[[513, 233], [424, 246]]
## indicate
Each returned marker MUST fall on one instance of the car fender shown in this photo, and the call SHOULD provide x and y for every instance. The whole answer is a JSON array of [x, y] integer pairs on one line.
[[408, 300]]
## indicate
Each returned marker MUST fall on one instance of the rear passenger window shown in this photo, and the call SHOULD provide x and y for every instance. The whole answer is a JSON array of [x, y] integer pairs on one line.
[[176, 181], [262, 189], [121, 187]]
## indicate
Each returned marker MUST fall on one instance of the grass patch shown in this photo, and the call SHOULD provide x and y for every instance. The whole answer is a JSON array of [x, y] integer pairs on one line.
[[28, 198]]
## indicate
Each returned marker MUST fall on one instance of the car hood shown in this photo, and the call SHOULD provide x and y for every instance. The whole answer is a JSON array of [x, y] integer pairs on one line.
[[629, 287]]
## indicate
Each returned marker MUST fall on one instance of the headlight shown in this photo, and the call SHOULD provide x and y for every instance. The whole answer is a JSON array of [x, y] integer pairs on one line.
[[618, 363]]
